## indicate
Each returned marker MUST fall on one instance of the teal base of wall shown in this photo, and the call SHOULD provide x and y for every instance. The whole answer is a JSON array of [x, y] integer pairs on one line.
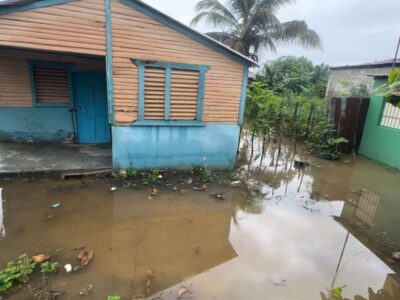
[[175, 147], [40, 124], [380, 143]]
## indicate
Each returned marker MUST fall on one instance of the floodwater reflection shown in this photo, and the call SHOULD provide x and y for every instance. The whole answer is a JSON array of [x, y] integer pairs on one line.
[[328, 224]]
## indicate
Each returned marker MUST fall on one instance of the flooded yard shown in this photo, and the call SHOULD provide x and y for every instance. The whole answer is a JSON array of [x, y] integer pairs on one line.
[[310, 228]]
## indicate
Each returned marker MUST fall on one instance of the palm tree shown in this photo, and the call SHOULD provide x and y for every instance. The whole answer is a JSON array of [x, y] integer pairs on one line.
[[252, 24]]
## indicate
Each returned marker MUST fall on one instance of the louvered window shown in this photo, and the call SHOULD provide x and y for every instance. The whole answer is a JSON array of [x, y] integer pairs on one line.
[[170, 92], [50, 84], [184, 94], [154, 94]]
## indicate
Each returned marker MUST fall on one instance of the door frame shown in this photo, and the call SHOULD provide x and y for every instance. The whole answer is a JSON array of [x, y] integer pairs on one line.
[[73, 109]]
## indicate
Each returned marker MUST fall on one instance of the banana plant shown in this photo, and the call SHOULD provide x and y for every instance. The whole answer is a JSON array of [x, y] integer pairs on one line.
[[390, 90]]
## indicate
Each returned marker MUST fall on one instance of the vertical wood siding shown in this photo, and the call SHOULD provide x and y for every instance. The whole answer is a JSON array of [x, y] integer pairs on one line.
[[77, 27], [15, 86], [136, 36]]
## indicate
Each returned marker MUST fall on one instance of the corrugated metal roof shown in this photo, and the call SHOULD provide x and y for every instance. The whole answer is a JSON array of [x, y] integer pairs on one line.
[[375, 64]]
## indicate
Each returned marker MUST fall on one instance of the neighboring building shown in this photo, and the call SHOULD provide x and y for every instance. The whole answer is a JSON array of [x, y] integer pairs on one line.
[[344, 79], [381, 136], [119, 72]]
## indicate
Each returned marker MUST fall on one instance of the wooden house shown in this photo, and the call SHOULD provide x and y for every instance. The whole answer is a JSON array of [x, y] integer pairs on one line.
[[119, 72]]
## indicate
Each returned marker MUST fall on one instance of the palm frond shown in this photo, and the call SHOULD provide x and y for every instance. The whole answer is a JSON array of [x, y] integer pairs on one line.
[[212, 17], [298, 32], [213, 6], [221, 36], [252, 24]]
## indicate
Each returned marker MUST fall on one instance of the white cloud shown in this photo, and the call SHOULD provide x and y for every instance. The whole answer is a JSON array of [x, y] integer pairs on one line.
[[353, 31]]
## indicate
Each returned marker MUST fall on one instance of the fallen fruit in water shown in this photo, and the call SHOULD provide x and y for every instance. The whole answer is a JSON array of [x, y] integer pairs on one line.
[[41, 258]]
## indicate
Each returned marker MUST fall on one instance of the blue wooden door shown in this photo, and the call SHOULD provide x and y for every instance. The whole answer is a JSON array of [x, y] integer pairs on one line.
[[90, 96]]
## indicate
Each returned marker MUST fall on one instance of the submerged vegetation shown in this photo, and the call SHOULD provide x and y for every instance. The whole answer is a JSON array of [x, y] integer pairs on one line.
[[286, 103], [16, 272]]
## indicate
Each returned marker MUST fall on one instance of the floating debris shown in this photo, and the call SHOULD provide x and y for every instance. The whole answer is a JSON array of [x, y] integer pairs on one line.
[[154, 191], [396, 255], [204, 187], [85, 256], [85, 291], [218, 196], [150, 276], [56, 205], [281, 282], [236, 183], [182, 192], [123, 174], [41, 258], [113, 189], [68, 268], [49, 217], [183, 291]]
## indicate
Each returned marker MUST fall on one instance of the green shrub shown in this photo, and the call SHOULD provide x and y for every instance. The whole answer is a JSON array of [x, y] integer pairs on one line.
[[17, 271], [49, 267], [113, 298], [151, 177], [207, 176]]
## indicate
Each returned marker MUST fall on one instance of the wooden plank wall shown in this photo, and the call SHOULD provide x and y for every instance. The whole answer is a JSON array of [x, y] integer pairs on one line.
[[15, 88], [136, 36], [77, 27]]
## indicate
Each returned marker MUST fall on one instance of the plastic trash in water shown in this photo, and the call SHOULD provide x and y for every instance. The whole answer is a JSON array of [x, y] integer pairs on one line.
[[68, 268], [56, 205]]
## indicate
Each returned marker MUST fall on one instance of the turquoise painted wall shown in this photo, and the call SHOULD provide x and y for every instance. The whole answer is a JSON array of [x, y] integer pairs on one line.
[[380, 143], [175, 147], [36, 124]]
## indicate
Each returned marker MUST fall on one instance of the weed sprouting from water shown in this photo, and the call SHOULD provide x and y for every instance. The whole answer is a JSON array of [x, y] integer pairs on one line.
[[151, 177], [49, 267], [16, 272]]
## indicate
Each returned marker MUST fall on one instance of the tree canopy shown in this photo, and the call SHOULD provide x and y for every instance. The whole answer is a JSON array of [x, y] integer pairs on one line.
[[289, 74], [249, 25]]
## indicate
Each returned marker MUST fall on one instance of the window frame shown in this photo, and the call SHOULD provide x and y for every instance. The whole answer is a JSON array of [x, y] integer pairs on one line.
[[42, 63], [395, 126], [168, 66]]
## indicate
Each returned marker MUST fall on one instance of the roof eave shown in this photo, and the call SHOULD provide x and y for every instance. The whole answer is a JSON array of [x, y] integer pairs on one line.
[[8, 9]]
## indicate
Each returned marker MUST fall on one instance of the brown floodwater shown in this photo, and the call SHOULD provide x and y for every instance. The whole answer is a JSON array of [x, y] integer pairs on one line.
[[328, 224]]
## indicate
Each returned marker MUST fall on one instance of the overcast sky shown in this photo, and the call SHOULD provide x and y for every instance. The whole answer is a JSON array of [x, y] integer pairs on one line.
[[352, 31]]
